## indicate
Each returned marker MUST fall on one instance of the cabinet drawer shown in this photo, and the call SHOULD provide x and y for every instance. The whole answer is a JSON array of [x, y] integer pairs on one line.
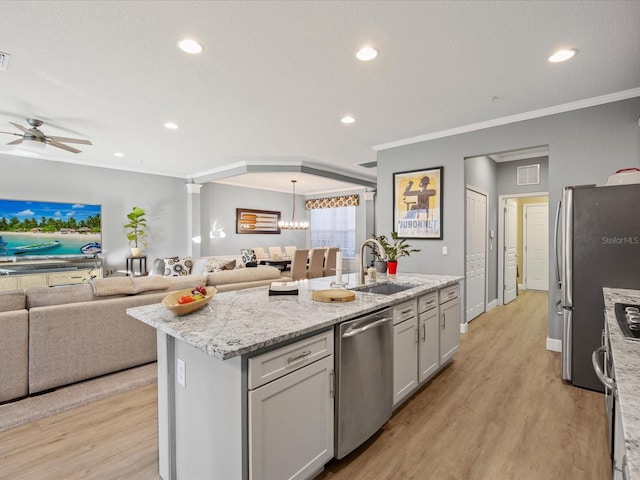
[[274, 364], [404, 311], [427, 302], [449, 293]]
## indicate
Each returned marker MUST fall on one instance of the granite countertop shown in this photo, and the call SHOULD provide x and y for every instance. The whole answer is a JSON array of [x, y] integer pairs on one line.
[[242, 321], [626, 361]]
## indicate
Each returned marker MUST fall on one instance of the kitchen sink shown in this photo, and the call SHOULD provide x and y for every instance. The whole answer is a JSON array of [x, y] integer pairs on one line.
[[384, 288]]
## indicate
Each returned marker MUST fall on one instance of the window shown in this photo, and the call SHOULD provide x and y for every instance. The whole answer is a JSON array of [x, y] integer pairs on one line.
[[334, 227]]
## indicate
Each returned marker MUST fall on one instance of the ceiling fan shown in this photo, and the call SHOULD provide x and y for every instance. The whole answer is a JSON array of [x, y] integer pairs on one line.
[[34, 135]]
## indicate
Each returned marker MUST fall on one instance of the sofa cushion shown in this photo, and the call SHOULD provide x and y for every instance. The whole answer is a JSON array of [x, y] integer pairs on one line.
[[188, 281], [241, 275], [157, 267], [44, 296], [176, 266], [12, 300], [106, 287]]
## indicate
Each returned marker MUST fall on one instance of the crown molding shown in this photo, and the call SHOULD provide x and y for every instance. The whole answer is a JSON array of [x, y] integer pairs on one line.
[[543, 112]]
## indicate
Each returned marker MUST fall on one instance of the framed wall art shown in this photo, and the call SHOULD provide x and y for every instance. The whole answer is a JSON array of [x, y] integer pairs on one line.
[[417, 203], [257, 221]]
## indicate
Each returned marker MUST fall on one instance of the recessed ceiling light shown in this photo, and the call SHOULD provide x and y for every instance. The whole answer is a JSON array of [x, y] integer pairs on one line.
[[171, 125], [366, 53], [562, 55], [348, 119], [190, 46], [118, 154]]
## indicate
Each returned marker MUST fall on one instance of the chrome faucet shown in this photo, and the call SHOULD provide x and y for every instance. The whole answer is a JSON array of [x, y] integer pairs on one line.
[[382, 255]]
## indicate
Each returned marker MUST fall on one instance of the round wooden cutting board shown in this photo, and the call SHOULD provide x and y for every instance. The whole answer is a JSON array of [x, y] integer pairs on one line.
[[333, 296]]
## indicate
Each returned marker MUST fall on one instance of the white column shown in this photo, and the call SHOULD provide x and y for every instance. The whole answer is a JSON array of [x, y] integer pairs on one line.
[[193, 220]]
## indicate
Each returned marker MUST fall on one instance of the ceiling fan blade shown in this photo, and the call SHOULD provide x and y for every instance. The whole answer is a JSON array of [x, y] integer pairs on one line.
[[15, 142], [13, 133], [63, 146], [20, 127], [70, 140]]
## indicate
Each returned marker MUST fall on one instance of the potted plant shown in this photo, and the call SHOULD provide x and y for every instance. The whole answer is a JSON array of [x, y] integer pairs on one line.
[[136, 233], [394, 248]]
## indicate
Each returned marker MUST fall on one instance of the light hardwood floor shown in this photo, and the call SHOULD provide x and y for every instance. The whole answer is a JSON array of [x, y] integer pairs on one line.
[[499, 411]]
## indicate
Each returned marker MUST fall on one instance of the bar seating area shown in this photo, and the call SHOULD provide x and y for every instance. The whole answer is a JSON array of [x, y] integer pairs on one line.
[[300, 263]]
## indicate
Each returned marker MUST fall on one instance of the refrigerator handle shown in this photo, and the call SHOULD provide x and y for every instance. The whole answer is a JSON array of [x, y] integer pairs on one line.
[[556, 250]]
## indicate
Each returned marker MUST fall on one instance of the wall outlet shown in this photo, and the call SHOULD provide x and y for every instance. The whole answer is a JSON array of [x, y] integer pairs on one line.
[[181, 374], [445, 251]]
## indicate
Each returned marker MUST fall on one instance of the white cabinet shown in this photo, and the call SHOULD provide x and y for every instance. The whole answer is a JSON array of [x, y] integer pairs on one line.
[[429, 337], [291, 409], [405, 350], [449, 299]]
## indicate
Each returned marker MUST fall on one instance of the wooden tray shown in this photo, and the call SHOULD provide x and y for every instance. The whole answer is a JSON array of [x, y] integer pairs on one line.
[[170, 302], [333, 296]]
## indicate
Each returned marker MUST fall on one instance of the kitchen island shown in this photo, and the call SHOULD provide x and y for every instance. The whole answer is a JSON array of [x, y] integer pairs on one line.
[[206, 376], [626, 361]]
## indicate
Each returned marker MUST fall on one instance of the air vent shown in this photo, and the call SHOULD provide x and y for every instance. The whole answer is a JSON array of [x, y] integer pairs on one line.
[[373, 164], [529, 175], [4, 60]]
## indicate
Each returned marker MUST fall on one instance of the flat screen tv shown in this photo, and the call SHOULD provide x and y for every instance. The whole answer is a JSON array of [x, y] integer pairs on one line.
[[32, 229]]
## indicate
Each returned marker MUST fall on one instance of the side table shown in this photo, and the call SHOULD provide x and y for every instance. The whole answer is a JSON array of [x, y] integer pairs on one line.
[[142, 265]]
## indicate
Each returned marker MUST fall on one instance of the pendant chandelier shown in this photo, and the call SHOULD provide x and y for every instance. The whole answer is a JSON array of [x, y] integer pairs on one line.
[[293, 225]]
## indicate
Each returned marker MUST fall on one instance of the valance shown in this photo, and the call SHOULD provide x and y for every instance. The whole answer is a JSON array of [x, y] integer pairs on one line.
[[333, 202]]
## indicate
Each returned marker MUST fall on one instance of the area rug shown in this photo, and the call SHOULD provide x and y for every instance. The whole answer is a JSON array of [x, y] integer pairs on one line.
[[40, 406]]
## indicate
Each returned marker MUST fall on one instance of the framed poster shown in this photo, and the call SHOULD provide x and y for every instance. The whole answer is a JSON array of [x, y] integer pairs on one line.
[[257, 221], [417, 203]]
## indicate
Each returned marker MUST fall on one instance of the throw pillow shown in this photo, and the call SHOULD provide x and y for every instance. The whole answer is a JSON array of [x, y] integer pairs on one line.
[[249, 257], [177, 267], [220, 264]]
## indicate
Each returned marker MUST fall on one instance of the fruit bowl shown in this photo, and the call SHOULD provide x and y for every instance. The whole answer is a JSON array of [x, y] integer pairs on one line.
[[170, 302]]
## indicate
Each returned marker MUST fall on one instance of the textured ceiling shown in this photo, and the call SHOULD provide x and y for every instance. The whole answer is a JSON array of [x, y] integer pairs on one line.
[[276, 77]]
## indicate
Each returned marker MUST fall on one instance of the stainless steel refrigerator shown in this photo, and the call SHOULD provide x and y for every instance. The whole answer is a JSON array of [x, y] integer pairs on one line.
[[597, 244]]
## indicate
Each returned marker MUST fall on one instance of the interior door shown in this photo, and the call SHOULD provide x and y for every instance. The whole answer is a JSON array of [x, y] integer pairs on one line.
[[510, 250], [476, 253], [536, 247]]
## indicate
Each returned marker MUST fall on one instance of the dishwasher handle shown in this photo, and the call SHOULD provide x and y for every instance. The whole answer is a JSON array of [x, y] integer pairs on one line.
[[609, 383], [355, 331]]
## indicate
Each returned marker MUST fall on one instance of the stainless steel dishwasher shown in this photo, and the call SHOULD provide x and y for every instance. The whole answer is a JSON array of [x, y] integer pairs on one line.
[[364, 375]]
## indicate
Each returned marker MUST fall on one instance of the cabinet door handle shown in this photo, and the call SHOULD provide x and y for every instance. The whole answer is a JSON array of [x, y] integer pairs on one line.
[[444, 321], [424, 332], [332, 384], [299, 357]]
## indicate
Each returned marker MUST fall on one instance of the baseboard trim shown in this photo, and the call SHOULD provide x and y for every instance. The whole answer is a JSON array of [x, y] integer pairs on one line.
[[521, 286], [464, 327], [492, 304], [554, 344]]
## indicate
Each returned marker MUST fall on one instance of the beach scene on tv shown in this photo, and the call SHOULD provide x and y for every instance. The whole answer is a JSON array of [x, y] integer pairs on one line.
[[30, 228]]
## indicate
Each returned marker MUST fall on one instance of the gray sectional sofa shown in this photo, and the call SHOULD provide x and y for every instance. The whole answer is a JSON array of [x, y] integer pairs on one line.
[[55, 336]]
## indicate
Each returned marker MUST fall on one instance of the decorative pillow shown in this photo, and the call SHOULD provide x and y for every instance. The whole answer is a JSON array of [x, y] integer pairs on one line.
[[157, 267], [249, 257], [177, 267], [220, 264]]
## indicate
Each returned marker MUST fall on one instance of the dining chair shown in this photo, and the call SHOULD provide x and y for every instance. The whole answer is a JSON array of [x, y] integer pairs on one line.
[[299, 264], [330, 261], [260, 253], [290, 250], [275, 252], [316, 261]]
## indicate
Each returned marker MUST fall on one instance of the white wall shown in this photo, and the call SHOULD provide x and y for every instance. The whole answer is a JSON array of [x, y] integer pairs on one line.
[[163, 198], [585, 146], [218, 214]]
